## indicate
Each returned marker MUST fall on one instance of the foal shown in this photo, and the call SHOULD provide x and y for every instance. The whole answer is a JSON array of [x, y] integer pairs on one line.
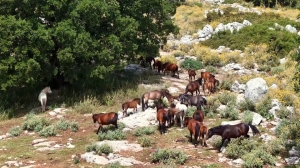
[[162, 117], [43, 97], [130, 104], [191, 73]]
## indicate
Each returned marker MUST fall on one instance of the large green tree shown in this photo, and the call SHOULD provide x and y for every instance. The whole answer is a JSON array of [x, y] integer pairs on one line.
[[56, 41]]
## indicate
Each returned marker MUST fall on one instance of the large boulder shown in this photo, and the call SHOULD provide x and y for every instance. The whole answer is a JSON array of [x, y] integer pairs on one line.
[[256, 89]]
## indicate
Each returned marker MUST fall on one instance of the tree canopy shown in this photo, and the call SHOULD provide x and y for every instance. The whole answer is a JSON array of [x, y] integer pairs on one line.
[[55, 41]]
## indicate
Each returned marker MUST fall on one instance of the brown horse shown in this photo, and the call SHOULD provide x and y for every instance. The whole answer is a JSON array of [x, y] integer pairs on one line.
[[210, 86], [194, 128], [162, 117], [130, 104], [191, 73], [231, 131], [150, 60], [193, 86], [198, 115], [171, 114], [203, 130], [203, 133], [105, 119], [214, 81], [171, 67], [169, 96], [206, 75], [153, 95], [159, 66]]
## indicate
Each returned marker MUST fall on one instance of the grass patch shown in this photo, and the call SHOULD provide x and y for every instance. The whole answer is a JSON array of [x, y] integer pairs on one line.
[[168, 156], [15, 131], [140, 131]]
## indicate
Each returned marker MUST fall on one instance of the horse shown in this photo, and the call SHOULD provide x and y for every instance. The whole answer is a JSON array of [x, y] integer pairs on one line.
[[214, 81], [170, 67], [231, 131], [130, 104], [172, 113], [149, 59], [153, 95], [197, 101], [210, 86], [43, 97], [198, 115], [194, 128], [193, 86], [206, 75], [159, 66], [162, 117], [191, 73], [182, 112], [105, 119]]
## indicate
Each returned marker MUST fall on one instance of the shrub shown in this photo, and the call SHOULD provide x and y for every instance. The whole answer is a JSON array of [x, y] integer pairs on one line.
[[62, 124], [275, 147], [264, 106], [185, 48], [178, 53], [167, 155], [168, 58], [283, 112], [74, 126], [104, 148], [226, 97], [231, 57], [112, 135], [226, 84], [217, 143], [191, 110], [260, 156], [145, 141], [88, 105], [213, 59], [48, 131], [230, 112], [246, 105], [277, 70], [189, 63], [90, 148], [211, 69], [140, 131], [248, 116], [15, 131], [34, 123], [114, 165]]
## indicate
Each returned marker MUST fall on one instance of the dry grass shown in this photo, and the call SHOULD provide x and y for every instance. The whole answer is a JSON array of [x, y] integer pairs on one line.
[[283, 12]]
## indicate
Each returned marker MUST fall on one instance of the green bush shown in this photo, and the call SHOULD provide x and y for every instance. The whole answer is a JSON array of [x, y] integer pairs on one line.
[[275, 147], [15, 131], [248, 116], [230, 112], [34, 123], [246, 105], [263, 108], [90, 148], [74, 126], [217, 143], [140, 131], [265, 68], [62, 124], [226, 84], [178, 53], [145, 141], [189, 63], [167, 155], [283, 112], [211, 69], [277, 70], [191, 110], [111, 135], [258, 158], [48, 131], [226, 97], [114, 165], [104, 148]]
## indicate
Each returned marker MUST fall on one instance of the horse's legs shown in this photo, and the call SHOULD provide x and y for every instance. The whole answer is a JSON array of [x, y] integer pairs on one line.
[[195, 139], [223, 140], [191, 136], [100, 126]]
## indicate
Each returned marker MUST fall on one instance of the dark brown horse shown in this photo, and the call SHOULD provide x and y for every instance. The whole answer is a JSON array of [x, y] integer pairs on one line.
[[171, 67], [197, 101], [193, 86], [153, 95], [191, 73], [150, 60], [208, 86], [105, 119], [194, 128], [162, 117], [159, 65], [130, 104], [231, 131], [198, 115]]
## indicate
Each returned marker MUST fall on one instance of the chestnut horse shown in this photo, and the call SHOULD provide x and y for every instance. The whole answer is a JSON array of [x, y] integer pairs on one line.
[[193, 86], [198, 115], [105, 119], [159, 66], [206, 75], [153, 95], [162, 117], [210, 86], [150, 60], [191, 73], [194, 128], [231, 131], [171, 67], [130, 104]]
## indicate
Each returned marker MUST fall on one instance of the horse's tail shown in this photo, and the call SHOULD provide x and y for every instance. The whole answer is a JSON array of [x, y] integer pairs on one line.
[[123, 106], [143, 102], [197, 116], [165, 117], [115, 118], [197, 129], [254, 129]]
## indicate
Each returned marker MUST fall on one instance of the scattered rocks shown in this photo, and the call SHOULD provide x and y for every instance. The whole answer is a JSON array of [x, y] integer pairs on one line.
[[256, 89]]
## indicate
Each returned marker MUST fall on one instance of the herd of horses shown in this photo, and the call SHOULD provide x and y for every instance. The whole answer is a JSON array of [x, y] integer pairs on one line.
[[176, 113]]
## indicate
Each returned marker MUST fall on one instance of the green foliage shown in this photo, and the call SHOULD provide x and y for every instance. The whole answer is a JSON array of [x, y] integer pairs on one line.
[[74, 126], [191, 110], [246, 105], [110, 133], [90, 148], [99, 149], [258, 158], [167, 155], [248, 116], [144, 141], [230, 112], [76, 160], [189, 63], [48, 131], [178, 53], [34, 123], [226, 84], [114, 165], [283, 112], [263, 107], [288, 129], [275, 147], [140, 131], [211, 69], [62, 124], [227, 97], [277, 70], [15, 131]]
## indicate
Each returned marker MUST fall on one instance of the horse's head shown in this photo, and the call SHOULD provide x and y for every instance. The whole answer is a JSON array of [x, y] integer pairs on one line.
[[94, 117], [186, 120], [199, 80], [49, 90], [210, 133]]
